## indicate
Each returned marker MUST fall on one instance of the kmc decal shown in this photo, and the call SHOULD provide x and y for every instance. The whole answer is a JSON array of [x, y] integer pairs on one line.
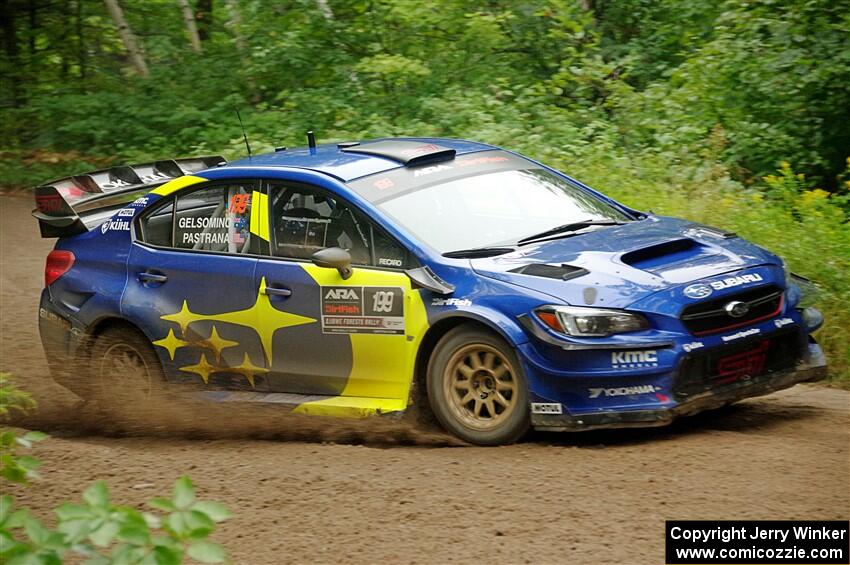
[[634, 359]]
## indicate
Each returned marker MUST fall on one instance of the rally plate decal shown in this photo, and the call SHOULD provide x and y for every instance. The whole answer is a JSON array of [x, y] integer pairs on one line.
[[359, 309]]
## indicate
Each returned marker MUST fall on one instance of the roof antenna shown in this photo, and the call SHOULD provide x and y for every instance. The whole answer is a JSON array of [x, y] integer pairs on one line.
[[311, 141], [244, 135]]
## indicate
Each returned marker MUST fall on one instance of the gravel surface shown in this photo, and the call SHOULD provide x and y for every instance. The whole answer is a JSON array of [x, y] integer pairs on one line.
[[310, 490]]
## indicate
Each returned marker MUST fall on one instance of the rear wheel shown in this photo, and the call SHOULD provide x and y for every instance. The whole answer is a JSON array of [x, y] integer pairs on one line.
[[124, 367], [476, 387]]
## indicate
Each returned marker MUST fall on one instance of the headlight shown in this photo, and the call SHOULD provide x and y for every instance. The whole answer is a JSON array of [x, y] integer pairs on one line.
[[589, 322], [808, 290]]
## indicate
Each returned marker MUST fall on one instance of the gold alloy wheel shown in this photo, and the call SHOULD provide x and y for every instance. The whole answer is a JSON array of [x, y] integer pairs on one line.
[[124, 371], [479, 386]]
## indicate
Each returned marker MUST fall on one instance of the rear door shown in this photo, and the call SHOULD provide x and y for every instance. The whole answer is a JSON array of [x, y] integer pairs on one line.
[[354, 337], [191, 286]]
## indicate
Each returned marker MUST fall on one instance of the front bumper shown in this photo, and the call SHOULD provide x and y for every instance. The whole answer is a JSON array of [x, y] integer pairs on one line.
[[811, 368]]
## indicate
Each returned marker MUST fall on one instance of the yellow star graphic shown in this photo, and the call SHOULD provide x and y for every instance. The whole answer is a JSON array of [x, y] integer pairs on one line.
[[203, 368], [262, 316], [217, 343], [182, 318], [171, 343], [248, 369]]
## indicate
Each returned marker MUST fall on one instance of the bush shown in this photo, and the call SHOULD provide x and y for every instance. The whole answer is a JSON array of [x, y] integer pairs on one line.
[[96, 529], [105, 533]]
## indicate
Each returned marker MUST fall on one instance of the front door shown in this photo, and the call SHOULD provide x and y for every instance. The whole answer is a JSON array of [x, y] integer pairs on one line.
[[336, 337], [191, 287]]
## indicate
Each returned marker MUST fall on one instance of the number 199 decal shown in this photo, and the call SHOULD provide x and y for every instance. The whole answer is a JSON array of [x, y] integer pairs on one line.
[[362, 309]]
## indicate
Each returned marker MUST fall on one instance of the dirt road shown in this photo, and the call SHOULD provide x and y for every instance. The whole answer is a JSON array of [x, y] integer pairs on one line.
[[402, 495]]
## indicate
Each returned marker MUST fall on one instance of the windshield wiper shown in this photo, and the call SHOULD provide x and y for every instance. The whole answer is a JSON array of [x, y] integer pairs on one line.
[[568, 229], [478, 252]]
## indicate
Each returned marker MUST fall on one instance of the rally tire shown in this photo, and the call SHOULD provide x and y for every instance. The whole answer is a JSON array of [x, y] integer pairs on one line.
[[124, 368], [476, 387]]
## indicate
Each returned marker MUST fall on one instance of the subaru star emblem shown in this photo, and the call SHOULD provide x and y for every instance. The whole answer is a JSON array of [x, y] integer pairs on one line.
[[698, 291], [736, 308]]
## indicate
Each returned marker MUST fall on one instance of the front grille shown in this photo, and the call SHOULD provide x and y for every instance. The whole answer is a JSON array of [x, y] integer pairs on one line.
[[710, 316], [732, 363]]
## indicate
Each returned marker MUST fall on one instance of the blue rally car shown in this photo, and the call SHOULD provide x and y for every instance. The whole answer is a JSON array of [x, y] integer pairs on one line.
[[369, 277]]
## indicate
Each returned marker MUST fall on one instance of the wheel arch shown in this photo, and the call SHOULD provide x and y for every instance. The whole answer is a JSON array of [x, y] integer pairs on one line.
[[101, 325], [438, 329]]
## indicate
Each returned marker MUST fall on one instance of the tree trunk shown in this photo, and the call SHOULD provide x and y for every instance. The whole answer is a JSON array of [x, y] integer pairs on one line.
[[325, 8], [191, 27], [204, 18], [10, 45], [235, 23], [31, 10], [136, 56], [81, 41]]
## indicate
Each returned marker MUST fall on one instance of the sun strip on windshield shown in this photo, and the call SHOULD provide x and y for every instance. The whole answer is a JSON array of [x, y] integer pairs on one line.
[[380, 187]]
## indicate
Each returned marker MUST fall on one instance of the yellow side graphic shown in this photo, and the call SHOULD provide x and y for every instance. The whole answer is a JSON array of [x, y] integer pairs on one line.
[[260, 215], [351, 406], [173, 186], [382, 364]]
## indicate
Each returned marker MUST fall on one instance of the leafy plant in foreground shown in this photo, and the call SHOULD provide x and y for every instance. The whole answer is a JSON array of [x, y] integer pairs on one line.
[[104, 533]]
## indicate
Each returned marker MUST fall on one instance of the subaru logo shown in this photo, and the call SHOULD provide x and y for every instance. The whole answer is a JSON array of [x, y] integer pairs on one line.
[[698, 290], [736, 308]]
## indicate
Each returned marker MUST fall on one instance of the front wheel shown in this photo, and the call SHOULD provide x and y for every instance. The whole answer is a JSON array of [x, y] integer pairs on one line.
[[476, 387]]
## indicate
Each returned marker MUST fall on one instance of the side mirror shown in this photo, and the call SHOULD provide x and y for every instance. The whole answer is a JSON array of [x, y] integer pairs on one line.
[[334, 258]]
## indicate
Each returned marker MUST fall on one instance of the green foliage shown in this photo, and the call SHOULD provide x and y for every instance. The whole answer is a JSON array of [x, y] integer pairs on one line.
[[104, 533], [14, 467], [730, 112], [18, 468], [13, 399], [96, 530]]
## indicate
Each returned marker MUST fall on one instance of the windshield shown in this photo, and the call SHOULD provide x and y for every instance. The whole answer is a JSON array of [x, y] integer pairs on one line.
[[494, 209]]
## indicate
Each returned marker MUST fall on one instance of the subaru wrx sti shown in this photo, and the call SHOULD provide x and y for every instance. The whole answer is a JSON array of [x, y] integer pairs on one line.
[[365, 277]]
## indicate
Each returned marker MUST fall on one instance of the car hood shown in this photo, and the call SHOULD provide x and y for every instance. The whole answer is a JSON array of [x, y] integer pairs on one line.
[[619, 265]]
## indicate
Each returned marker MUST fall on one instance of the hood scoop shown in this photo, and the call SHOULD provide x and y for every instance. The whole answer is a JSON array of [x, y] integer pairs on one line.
[[675, 251], [561, 272]]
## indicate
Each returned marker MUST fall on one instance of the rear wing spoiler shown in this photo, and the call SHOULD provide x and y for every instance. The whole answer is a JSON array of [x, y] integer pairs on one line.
[[62, 205]]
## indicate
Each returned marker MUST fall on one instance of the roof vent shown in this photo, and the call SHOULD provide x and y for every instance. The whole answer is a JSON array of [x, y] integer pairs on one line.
[[408, 153]]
